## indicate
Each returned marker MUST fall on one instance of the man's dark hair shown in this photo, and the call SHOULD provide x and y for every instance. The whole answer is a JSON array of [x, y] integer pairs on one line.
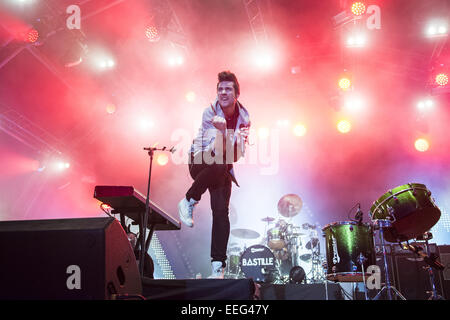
[[229, 76]]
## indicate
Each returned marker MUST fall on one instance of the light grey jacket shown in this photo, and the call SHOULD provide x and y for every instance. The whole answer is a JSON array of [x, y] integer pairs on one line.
[[206, 136]]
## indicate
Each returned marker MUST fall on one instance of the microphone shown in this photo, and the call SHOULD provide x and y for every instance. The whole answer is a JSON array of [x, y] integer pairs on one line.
[[430, 260], [359, 215], [243, 133], [171, 150]]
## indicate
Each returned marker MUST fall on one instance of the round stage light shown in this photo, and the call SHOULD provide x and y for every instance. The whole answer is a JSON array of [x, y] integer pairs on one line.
[[299, 130], [146, 124], [442, 30], [61, 165], [162, 159], [175, 60], [432, 30], [358, 8], [190, 96], [421, 145], [441, 79], [32, 36], [344, 126], [110, 108], [152, 34], [344, 83]]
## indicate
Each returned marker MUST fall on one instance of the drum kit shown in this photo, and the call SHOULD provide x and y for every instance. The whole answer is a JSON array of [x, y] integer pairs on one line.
[[283, 247], [404, 213]]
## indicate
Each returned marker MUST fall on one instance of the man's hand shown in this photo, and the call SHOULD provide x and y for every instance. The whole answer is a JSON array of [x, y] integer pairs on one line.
[[219, 123]]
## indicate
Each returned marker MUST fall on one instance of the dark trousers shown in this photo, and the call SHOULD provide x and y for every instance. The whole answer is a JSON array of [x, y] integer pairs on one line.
[[216, 179]]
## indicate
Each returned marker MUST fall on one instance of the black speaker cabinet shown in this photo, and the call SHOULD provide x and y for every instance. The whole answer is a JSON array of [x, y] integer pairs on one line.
[[89, 258], [444, 255], [380, 263], [412, 279]]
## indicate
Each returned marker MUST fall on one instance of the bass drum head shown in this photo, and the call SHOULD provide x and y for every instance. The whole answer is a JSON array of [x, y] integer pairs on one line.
[[258, 263], [413, 209]]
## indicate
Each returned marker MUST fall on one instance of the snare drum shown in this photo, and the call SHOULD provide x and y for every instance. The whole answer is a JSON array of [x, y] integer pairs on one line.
[[411, 210], [258, 262], [277, 236], [345, 242]]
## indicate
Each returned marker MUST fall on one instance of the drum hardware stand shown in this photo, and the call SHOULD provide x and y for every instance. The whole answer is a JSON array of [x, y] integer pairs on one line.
[[430, 262], [381, 224], [361, 260]]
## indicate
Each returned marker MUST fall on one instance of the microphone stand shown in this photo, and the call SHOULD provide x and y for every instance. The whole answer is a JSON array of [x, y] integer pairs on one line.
[[431, 263], [144, 221]]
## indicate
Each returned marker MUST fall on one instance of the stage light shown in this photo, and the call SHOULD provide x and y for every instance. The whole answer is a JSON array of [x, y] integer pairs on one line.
[[421, 145], [296, 69], [442, 30], [344, 126], [263, 57], [152, 34], [358, 8], [344, 83], [353, 103], [263, 132], [190, 96], [62, 165], [299, 130], [283, 123], [264, 60], [356, 41], [32, 36], [146, 124], [105, 63], [432, 30], [437, 29], [110, 108], [425, 105], [175, 60], [441, 79], [162, 159], [22, 2]]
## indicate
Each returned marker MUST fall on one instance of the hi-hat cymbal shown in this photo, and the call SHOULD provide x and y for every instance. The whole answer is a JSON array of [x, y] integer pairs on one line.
[[268, 219], [290, 205], [245, 233], [234, 249]]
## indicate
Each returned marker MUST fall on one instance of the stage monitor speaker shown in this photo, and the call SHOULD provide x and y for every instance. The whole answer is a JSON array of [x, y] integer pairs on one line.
[[412, 279], [86, 258]]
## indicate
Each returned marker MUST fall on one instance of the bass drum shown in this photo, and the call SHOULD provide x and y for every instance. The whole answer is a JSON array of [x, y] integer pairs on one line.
[[411, 209], [345, 243], [258, 263]]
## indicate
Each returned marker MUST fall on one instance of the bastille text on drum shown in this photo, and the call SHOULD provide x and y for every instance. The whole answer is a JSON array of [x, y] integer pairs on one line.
[[257, 262]]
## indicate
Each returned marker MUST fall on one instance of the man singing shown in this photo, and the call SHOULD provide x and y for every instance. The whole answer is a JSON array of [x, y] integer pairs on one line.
[[220, 142]]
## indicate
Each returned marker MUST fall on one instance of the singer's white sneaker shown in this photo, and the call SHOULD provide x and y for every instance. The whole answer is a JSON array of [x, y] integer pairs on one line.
[[186, 211], [217, 271]]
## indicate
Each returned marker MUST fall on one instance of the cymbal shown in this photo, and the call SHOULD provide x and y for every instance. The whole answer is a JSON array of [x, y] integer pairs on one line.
[[268, 219], [312, 243], [245, 233], [290, 205]]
